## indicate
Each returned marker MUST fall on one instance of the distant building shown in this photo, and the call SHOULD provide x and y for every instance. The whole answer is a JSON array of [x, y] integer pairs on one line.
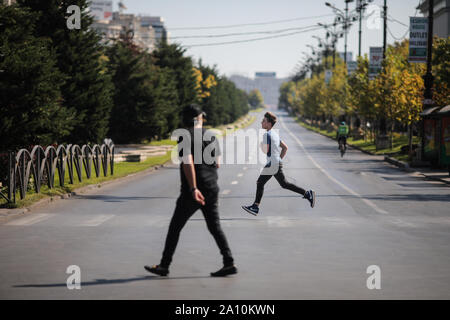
[[441, 16], [147, 31], [157, 23], [266, 82]]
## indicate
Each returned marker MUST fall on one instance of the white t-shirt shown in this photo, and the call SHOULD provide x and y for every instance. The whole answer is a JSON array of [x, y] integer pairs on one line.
[[273, 140]]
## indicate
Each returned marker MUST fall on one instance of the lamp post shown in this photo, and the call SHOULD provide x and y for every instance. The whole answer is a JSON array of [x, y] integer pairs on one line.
[[360, 7], [346, 21], [335, 35]]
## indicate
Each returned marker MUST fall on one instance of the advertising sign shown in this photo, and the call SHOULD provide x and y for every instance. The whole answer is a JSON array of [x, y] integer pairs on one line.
[[101, 10], [351, 67], [328, 75], [418, 37], [376, 58]]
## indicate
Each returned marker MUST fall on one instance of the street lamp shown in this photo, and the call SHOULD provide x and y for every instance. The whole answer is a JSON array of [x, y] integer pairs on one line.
[[346, 19]]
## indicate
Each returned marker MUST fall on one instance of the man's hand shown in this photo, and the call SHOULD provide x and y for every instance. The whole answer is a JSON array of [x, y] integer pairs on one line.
[[198, 196]]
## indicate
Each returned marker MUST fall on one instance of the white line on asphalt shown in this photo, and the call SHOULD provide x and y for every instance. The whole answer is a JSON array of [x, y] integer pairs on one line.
[[244, 168], [368, 202], [227, 191], [28, 221], [234, 182], [97, 220], [240, 174]]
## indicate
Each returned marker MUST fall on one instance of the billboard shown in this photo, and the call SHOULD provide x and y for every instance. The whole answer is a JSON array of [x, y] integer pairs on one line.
[[101, 10], [351, 67], [376, 58], [328, 75], [418, 36]]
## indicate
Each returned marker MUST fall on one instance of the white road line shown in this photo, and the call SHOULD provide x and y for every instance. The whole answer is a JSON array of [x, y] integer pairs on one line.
[[227, 191], [96, 220], [240, 174], [368, 202], [234, 182], [244, 168], [32, 219]]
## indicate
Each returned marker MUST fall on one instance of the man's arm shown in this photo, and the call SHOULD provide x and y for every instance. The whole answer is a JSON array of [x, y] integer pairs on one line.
[[189, 173], [264, 147], [284, 149]]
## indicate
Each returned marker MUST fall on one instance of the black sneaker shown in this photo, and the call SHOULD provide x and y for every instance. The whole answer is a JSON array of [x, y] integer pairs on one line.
[[225, 271], [251, 209], [311, 197], [156, 269]]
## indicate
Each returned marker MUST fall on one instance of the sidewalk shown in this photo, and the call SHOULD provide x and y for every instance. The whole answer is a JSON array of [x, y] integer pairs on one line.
[[441, 175]]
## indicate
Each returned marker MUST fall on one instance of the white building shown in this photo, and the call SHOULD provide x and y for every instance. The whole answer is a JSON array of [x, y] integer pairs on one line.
[[441, 16], [147, 31]]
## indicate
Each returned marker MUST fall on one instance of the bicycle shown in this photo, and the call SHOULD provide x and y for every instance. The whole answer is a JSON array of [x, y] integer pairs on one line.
[[342, 147]]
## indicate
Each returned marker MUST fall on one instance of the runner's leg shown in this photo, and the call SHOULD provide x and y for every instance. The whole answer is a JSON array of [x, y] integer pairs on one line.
[[287, 185], [263, 178]]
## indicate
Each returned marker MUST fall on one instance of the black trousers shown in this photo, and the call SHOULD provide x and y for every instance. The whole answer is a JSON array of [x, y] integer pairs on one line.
[[186, 206], [279, 175]]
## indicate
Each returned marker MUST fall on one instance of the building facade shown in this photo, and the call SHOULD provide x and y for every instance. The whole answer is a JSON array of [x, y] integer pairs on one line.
[[441, 16], [146, 31]]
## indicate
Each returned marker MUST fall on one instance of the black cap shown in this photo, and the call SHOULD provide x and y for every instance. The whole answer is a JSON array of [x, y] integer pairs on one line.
[[190, 112]]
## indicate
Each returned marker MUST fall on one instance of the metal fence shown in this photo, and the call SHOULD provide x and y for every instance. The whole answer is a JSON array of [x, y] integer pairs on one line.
[[40, 166]]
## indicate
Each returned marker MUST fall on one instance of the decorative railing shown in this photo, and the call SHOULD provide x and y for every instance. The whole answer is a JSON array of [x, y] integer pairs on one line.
[[41, 165]]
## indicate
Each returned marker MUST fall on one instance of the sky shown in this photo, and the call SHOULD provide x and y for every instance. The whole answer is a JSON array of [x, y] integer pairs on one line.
[[279, 54]]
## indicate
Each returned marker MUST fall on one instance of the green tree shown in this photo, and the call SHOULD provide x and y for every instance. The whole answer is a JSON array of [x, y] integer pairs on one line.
[[87, 88], [255, 99], [30, 99], [170, 57], [145, 99]]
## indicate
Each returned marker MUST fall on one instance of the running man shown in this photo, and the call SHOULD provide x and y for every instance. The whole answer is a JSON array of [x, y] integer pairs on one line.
[[275, 149]]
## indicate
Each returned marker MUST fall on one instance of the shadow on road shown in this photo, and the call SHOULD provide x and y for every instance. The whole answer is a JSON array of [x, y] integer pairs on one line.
[[109, 198], [97, 282]]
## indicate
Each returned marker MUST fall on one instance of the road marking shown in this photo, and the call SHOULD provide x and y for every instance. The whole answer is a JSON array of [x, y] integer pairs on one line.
[[368, 202], [97, 220], [227, 191], [245, 168], [234, 182], [240, 174], [28, 221]]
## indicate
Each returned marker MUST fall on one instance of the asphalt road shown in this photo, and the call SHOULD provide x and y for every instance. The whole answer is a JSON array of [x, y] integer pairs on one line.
[[367, 213]]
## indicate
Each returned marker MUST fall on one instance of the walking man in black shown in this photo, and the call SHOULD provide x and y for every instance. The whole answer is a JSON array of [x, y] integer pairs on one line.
[[199, 190]]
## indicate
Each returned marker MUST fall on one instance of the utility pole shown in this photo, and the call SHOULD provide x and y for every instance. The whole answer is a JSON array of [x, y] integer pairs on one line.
[[360, 22], [384, 28], [345, 30], [428, 77]]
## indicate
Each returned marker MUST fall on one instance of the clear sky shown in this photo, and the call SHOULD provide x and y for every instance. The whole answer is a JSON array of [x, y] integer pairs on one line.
[[280, 54]]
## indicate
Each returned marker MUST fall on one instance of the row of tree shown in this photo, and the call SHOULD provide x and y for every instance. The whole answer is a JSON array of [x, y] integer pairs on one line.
[[60, 85], [393, 100]]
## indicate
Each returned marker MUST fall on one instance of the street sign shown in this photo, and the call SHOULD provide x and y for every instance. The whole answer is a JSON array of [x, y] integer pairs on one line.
[[376, 58], [351, 67], [328, 75], [418, 39]]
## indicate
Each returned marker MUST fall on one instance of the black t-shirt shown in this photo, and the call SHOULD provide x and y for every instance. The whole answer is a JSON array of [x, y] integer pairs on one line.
[[204, 161]]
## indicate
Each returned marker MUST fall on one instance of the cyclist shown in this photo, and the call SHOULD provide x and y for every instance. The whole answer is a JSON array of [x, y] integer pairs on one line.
[[342, 134]]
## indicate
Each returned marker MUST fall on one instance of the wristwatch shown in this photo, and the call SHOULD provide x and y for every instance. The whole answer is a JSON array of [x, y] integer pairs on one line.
[[193, 189]]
